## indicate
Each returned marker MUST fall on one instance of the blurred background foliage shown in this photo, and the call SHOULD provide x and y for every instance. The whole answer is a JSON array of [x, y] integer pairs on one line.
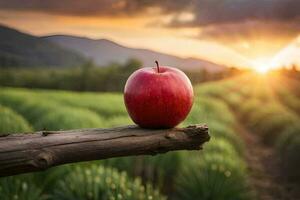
[[90, 77], [268, 106]]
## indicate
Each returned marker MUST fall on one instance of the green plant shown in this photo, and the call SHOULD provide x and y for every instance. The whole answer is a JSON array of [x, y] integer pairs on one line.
[[288, 147], [213, 176], [233, 99], [221, 146], [104, 104], [118, 120], [11, 122], [48, 180], [155, 169], [291, 159], [218, 131], [69, 118], [100, 183], [264, 112], [210, 90], [248, 107], [209, 109], [287, 137], [28, 104], [272, 127], [19, 188]]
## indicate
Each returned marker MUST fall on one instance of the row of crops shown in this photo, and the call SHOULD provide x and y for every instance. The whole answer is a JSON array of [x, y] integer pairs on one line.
[[219, 172], [288, 92], [269, 107]]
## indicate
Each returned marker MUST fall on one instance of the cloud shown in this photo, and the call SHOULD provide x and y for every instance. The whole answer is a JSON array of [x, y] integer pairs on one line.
[[226, 21], [206, 11], [244, 25], [266, 37], [252, 29], [92, 7]]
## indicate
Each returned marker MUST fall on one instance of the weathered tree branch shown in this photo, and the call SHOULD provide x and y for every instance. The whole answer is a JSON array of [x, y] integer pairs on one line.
[[21, 153]]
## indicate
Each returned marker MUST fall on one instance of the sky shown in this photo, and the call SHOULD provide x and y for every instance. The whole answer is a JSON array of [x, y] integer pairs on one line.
[[245, 33]]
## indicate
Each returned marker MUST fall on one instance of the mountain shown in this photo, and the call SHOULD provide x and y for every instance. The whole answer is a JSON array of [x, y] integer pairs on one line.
[[104, 51], [18, 49]]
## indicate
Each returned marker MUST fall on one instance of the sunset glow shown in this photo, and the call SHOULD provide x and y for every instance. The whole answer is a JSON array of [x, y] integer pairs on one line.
[[255, 43]]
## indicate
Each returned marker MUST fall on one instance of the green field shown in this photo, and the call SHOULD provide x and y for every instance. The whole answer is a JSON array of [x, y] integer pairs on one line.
[[266, 109]]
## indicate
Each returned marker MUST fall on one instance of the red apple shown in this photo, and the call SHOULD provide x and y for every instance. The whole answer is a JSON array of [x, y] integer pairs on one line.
[[158, 97]]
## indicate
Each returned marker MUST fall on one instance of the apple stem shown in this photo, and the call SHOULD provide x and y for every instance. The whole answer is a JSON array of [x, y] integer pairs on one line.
[[157, 65]]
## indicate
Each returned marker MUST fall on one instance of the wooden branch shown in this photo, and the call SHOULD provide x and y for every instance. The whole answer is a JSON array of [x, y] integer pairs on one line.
[[28, 152]]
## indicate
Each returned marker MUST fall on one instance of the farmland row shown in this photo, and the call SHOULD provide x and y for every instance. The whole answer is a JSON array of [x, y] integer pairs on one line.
[[219, 172], [274, 122]]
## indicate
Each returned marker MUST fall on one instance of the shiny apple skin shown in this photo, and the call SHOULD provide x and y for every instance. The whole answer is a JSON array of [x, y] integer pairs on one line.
[[158, 99]]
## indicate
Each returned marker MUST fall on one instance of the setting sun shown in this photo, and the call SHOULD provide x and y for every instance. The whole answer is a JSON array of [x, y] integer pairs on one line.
[[262, 69], [262, 65]]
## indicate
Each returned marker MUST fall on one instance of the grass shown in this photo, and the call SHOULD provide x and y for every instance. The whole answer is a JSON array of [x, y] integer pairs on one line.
[[53, 110], [69, 118], [12, 122], [213, 176], [97, 182], [270, 110], [288, 146], [219, 172], [20, 188]]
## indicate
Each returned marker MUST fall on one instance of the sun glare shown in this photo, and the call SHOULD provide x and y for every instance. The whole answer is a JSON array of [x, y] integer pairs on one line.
[[261, 70], [262, 65]]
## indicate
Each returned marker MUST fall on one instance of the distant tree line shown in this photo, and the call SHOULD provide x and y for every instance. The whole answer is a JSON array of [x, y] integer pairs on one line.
[[89, 77], [292, 72], [203, 75]]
